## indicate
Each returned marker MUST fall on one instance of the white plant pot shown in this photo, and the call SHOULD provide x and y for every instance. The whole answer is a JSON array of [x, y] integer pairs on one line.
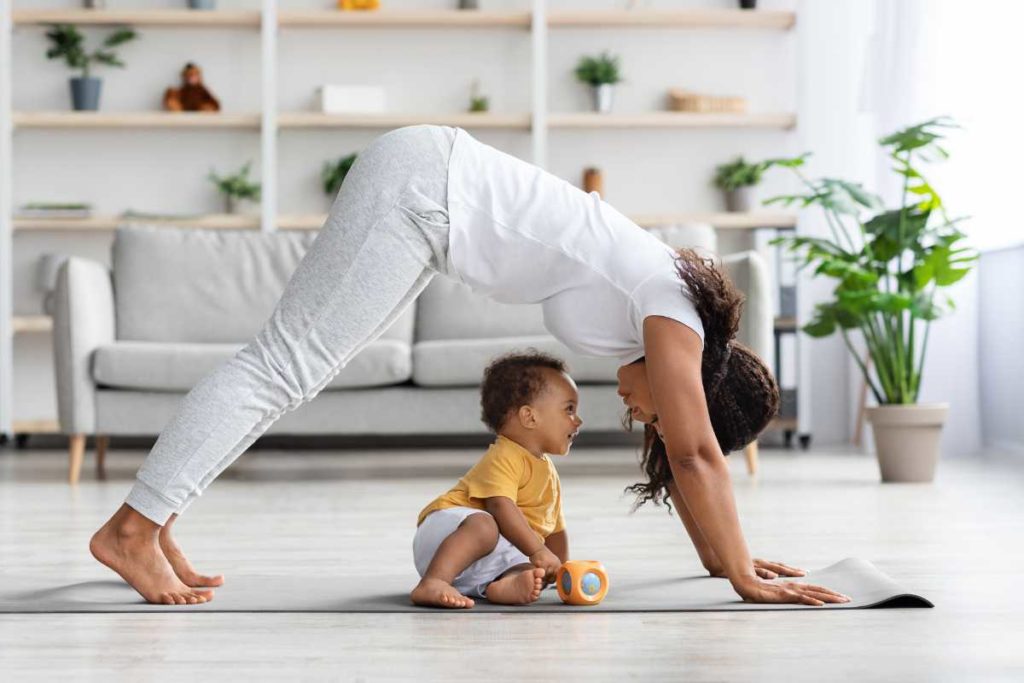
[[603, 95], [741, 199], [907, 440]]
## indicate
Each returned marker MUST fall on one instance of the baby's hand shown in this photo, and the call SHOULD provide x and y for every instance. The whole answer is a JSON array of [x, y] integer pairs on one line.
[[548, 561]]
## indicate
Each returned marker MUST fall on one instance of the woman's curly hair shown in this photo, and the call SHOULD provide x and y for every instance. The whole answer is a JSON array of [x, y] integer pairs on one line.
[[514, 380], [740, 391]]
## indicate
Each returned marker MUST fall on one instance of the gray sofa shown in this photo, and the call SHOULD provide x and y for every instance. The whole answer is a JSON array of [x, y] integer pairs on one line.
[[131, 340]]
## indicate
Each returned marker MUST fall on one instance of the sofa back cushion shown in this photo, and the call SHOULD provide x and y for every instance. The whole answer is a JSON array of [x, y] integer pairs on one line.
[[448, 309], [215, 286]]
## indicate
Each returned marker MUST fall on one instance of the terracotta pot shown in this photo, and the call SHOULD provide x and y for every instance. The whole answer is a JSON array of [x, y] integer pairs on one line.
[[907, 440]]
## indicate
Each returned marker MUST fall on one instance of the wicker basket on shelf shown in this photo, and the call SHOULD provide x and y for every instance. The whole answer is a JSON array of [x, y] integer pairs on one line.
[[685, 100]]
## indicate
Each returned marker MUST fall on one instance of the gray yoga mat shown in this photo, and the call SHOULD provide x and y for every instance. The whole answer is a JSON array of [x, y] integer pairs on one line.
[[861, 580]]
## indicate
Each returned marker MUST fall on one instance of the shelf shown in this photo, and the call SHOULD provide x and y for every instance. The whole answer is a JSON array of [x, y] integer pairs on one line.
[[670, 119], [97, 223], [26, 324], [404, 19], [153, 17], [142, 119], [725, 220], [35, 427], [461, 119], [681, 18], [785, 324]]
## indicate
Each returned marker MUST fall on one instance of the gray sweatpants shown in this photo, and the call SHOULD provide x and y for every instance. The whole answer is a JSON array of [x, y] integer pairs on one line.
[[385, 237]]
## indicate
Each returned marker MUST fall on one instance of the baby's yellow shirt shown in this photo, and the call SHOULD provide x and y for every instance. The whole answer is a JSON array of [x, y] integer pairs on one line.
[[507, 469]]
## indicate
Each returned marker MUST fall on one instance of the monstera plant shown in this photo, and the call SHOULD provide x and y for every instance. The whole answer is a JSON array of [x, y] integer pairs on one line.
[[890, 266]]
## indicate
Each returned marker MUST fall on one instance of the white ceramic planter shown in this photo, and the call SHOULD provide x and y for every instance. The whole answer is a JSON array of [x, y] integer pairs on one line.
[[603, 97], [907, 440], [741, 199]]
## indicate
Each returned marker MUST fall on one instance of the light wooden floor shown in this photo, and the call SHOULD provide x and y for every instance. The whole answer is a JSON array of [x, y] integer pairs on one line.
[[959, 541]]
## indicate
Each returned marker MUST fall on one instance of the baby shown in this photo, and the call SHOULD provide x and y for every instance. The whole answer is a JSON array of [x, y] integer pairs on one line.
[[499, 532]]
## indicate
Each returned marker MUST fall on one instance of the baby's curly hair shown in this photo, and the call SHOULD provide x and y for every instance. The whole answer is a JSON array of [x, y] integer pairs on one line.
[[514, 380]]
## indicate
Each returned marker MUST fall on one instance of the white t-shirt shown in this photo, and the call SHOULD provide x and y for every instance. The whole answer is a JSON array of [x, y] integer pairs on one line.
[[522, 235]]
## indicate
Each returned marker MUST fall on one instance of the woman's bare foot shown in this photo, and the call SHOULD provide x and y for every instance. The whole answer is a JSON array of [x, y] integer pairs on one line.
[[128, 543], [517, 587], [437, 593], [180, 564]]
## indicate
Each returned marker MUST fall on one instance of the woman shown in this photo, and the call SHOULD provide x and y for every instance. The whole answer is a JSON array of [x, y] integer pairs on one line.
[[429, 199]]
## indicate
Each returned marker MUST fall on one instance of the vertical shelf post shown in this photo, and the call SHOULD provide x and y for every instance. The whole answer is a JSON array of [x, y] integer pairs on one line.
[[6, 226], [539, 116], [268, 119]]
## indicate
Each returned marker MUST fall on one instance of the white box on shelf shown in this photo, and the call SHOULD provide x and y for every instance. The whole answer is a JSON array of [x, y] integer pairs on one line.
[[351, 99]]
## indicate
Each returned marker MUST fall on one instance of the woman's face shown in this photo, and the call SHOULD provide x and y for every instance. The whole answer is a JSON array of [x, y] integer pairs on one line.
[[636, 392]]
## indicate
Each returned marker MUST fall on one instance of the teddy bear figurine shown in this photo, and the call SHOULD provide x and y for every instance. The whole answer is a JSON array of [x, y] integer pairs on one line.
[[192, 95]]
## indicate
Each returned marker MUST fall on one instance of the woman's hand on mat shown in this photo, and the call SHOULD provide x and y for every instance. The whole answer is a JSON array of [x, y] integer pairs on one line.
[[548, 561], [756, 589], [767, 569]]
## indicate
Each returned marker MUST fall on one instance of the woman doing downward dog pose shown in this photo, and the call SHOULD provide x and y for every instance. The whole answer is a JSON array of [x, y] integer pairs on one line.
[[428, 199]]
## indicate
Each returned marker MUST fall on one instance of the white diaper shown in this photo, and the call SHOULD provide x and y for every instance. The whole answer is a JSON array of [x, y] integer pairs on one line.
[[474, 579]]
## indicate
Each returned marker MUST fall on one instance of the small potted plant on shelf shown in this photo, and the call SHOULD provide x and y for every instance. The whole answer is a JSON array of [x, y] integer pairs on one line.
[[890, 265], [333, 174], [478, 103], [737, 179], [601, 73], [67, 43], [236, 188]]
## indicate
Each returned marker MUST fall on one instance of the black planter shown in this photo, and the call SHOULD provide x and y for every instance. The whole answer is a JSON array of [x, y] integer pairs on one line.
[[85, 93], [748, 4]]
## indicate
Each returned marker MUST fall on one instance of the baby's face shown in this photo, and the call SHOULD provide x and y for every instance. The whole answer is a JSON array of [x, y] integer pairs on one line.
[[558, 412]]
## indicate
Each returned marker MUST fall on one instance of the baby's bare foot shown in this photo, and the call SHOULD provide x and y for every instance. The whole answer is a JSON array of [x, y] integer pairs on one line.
[[518, 588], [437, 593], [182, 567], [133, 551]]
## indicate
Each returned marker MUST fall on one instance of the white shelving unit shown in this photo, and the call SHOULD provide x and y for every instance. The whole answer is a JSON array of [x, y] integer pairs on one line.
[[269, 21]]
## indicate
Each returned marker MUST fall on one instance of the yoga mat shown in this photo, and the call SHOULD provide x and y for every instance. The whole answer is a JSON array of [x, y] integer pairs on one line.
[[859, 579]]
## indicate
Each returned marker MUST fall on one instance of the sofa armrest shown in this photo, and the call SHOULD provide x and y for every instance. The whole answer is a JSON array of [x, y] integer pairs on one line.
[[83, 319], [749, 272]]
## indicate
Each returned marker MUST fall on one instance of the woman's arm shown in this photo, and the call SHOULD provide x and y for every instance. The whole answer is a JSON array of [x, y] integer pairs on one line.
[[704, 549], [558, 543], [673, 359]]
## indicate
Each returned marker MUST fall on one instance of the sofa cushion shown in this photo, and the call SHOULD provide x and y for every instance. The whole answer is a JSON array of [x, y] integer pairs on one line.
[[219, 286], [448, 309], [178, 367], [461, 362]]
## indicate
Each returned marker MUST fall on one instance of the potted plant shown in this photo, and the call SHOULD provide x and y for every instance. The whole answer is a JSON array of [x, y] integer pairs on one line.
[[333, 174], [67, 44], [890, 265], [601, 73], [737, 180], [478, 102], [236, 188], [202, 4]]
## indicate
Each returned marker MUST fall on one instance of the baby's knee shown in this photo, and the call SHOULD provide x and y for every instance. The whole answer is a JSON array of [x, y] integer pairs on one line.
[[483, 527]]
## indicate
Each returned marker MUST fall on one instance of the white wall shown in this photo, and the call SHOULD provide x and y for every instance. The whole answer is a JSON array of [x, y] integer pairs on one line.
[[646, 171]]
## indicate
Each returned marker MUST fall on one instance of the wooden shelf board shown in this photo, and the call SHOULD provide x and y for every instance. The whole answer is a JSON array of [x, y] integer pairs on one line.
[[142, 119], [462, 119], [26, 324], [35, 427], [785, 324], [404, 19], [212, 222], [678, 18], [724, 220], [151, 17], [784, 423], [670, 119]]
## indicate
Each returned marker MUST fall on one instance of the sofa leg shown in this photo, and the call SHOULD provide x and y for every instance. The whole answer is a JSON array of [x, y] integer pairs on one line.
[[751, 452], [76, 452], [102, 442]]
